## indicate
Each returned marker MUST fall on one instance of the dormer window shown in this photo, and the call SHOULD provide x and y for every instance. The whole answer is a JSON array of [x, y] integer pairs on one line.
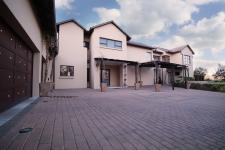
[[108, 43], [187, 60]]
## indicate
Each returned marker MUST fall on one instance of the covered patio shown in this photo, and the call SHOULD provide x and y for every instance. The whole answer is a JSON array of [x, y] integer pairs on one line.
[[171, 67]]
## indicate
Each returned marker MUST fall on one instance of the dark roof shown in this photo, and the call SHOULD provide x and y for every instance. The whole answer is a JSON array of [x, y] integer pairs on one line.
[[110, 22], [45, 11], [70, 20], [141, 45], [180, 48], [175, 50]]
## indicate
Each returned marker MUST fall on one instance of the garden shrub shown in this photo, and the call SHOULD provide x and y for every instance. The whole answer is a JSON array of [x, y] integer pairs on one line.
[[208, 87]]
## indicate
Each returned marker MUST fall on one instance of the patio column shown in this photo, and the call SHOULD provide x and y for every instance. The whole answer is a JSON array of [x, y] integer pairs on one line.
[[124, 75], [137, 84], [185, 77], [156, 73], [173, 70], [102, 77]]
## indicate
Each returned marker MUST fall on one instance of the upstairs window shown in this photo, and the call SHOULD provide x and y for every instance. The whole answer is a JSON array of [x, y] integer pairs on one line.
[[110, 43], [187, 60], [166, 58], [156, 58]]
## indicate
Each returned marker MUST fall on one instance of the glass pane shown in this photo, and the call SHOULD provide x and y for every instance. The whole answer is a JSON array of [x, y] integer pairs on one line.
[[110, 43], [118, 43], [103, 41]]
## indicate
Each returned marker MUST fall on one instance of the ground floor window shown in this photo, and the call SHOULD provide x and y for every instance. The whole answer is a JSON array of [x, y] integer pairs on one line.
[[66, 71]]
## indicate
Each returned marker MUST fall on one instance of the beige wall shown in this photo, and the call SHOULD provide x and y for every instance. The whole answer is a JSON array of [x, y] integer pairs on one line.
[[111, 32], [138, 54], [130, 75], [72, 53], [176, 58], [114, 75], [22, 10], [147, 76]]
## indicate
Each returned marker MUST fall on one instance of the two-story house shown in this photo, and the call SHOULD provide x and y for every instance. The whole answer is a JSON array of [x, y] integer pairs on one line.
[[105, 53]]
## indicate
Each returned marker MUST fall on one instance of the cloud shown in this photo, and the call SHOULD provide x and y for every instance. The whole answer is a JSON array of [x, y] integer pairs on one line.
[[207, 33], [203, 35], [144, 18], [63, 4], [201, 2], [107, 14]]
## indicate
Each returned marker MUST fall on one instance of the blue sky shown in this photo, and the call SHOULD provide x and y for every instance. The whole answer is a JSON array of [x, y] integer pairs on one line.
[[165, 23]]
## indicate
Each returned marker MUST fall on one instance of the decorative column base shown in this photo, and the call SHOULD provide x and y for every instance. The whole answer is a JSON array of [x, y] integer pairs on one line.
[[137, 86], [157, 87], [103, 87]]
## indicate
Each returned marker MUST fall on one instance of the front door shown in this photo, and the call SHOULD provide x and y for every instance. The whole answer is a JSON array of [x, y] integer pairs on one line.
[[106, 76]]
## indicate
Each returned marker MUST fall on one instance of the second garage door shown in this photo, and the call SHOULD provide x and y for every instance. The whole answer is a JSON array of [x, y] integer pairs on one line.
[[15, 68]]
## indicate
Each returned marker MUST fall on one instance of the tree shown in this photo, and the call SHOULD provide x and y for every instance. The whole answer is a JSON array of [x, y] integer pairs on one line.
[[200, 73], [220, 73]]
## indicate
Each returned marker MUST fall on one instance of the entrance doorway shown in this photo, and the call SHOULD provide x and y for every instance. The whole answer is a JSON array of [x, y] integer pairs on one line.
[[106, 76]]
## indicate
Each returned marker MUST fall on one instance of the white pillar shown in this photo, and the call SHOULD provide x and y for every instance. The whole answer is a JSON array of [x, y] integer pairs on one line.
[[36, 73]]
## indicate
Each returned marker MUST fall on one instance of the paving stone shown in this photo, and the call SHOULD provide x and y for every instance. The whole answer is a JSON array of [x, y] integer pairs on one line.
[[125, 119]]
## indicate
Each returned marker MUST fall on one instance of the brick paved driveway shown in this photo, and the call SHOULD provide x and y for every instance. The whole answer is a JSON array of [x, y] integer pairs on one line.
[[121, 119]]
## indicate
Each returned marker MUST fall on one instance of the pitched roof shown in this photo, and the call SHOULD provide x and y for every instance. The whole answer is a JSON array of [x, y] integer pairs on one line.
[[180, 48], [176, 49], [141, 45], [70, 20], [110, 22]]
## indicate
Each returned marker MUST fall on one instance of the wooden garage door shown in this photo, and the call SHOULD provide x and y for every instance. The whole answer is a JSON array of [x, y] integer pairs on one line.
[[15, 68]]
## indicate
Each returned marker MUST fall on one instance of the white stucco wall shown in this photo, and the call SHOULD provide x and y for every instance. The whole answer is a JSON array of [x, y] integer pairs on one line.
[[72, 53]]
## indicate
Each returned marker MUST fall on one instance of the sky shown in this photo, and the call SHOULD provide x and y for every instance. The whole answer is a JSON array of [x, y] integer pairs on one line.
[[164, 23]]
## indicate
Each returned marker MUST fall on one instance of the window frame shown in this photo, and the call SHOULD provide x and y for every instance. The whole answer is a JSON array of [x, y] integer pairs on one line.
[[187, 59], [157, 57], [67, 71], [106, 43]]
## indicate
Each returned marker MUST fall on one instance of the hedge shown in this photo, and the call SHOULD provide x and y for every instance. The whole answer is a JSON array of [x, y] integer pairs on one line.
[[208, 87]]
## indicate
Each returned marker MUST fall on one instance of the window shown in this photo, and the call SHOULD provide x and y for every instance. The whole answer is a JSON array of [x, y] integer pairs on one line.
[[166, 58], [66, 71], [86, 44], [156, 58], [110, 43], [103, 42], [187, 60]]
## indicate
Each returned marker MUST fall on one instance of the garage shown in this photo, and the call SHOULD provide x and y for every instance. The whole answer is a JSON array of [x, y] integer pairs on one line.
[[15, 68]]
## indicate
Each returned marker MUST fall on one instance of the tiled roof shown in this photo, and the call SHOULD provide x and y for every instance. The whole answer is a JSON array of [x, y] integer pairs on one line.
[[176, 49], [137, 44]]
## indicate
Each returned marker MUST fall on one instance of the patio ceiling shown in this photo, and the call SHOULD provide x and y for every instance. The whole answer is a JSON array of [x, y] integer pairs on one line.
[[116, 61], [162, 64]]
